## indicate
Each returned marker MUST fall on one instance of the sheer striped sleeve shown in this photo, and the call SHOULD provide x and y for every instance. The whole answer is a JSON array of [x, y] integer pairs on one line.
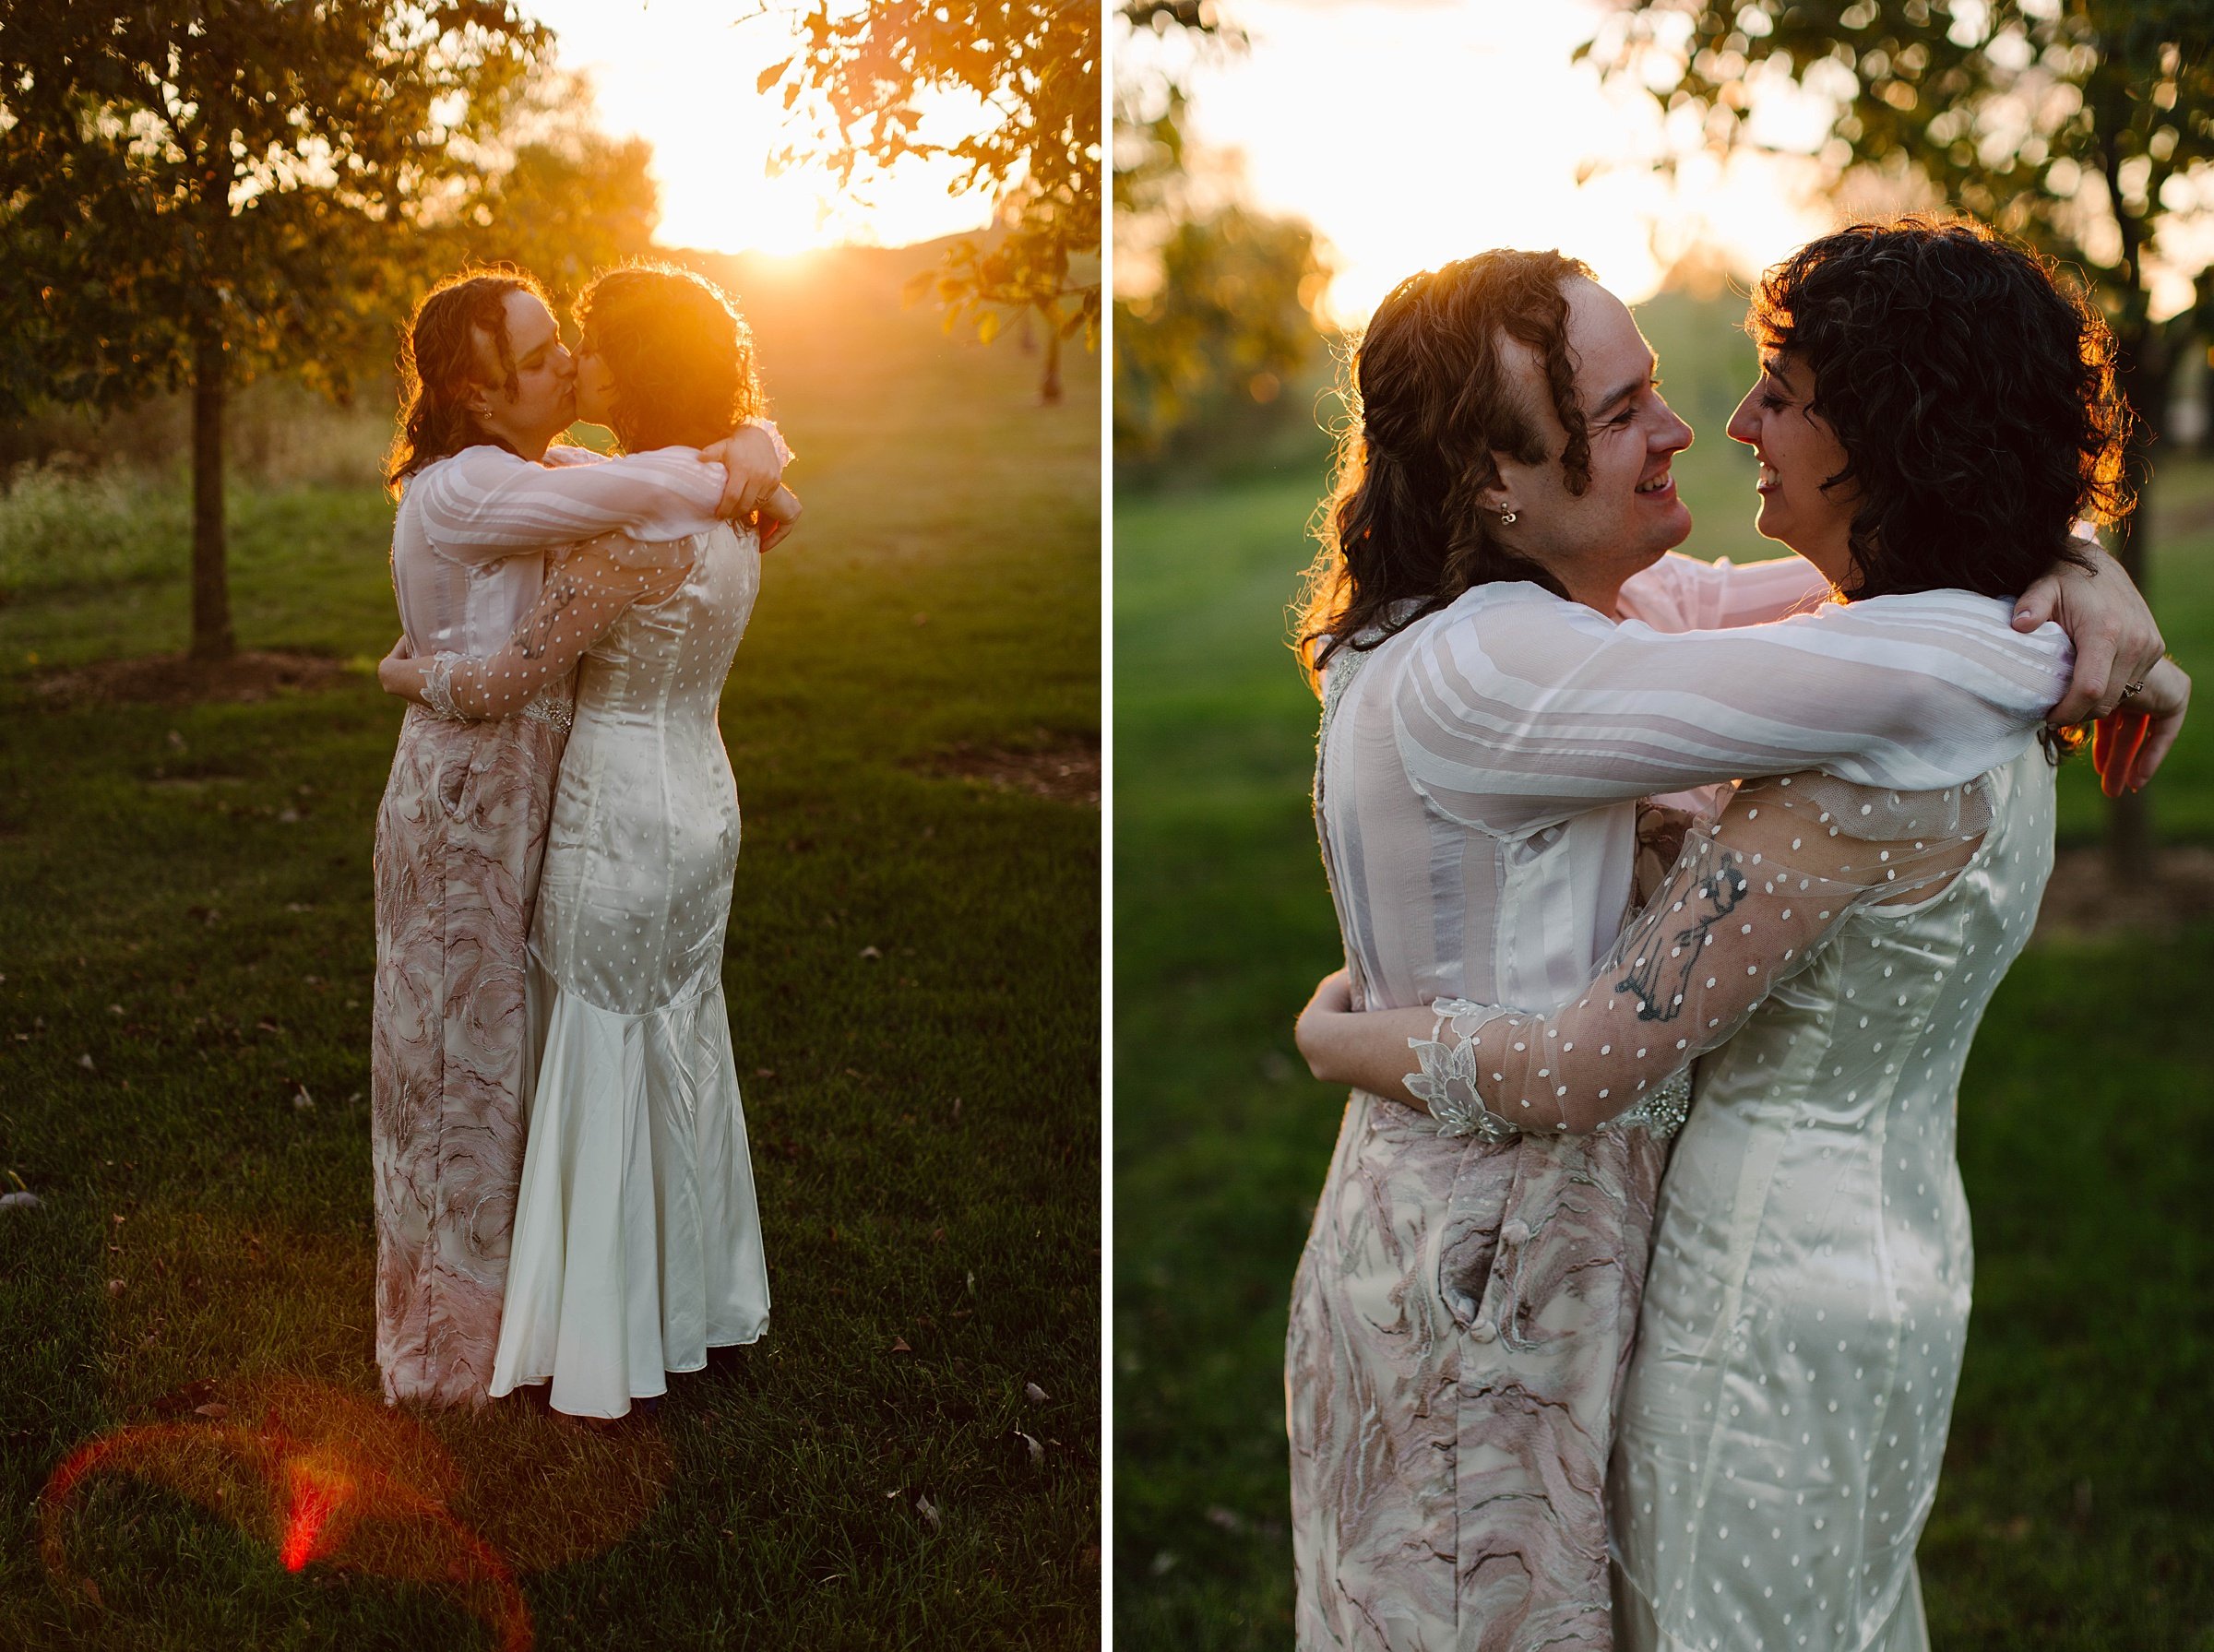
[[1517, 708], [485, 502]]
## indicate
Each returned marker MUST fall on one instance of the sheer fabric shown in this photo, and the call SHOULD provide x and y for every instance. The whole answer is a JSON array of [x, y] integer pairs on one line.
[[469, 539], [1478, 786], [1749, 900], [581, 600]]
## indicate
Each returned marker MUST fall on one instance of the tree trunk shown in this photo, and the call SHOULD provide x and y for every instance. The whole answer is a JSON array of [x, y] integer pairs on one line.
[[1049, 391], [2206, 401], [2142, 376], [211, 635]]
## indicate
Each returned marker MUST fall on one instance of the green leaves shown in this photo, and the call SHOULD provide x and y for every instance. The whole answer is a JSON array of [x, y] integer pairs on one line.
[[1036, 62]]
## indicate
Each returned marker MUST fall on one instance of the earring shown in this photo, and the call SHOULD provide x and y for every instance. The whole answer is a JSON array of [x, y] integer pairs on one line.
[[1506, 518]]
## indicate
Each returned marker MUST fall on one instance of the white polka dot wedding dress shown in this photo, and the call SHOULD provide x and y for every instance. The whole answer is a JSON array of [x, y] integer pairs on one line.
[[1806, 1309], [638, 1247], [636, 1244]]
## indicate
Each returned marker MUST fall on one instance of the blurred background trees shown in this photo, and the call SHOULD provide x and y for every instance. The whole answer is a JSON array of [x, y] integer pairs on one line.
[[192, 193], [1220, 346], [863, 90], [2083, 128]]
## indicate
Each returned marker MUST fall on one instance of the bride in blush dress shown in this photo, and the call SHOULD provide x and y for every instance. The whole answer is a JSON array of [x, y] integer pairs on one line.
[[637, 1244], [1933, 414]]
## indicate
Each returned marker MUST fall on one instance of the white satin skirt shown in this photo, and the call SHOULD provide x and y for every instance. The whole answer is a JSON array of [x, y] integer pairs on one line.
[[637, 1242]]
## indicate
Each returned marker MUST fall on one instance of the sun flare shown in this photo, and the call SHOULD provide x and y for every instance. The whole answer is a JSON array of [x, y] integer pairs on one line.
[[682, 75]]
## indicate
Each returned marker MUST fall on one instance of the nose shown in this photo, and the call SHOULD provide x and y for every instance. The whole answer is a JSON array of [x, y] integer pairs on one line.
[[1742, 427], [1670, 434]]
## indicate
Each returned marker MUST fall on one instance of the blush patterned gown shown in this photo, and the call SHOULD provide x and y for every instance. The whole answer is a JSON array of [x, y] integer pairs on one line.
[[1463, 1314], [458, 837], [636, 1241]]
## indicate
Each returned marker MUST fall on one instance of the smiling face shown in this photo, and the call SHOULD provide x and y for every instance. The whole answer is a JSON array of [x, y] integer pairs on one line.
[[1797, 453], [1629, 514], [544, 402]]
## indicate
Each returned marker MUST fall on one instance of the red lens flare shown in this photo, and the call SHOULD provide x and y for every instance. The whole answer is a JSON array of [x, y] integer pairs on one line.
[[320, 1476]]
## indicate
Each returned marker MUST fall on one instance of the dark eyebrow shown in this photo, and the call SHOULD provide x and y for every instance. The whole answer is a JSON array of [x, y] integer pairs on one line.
[[1628, 390], [1773, 366]]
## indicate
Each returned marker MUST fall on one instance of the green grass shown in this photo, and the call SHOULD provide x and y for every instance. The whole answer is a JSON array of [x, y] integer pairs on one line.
[[2074, 1511], [184, 900]]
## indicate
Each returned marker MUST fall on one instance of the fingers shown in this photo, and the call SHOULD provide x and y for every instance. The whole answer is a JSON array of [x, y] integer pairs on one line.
[[2160, 737], [2117, 743], [2038, 604], [2093, 690]]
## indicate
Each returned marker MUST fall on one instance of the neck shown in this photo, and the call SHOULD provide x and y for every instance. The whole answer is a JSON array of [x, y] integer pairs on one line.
[[1599, 591]]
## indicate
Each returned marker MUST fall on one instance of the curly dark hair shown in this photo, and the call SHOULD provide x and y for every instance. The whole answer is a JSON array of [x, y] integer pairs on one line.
[[680, 356], [1433, 393], [438, 366], [1973, 389]]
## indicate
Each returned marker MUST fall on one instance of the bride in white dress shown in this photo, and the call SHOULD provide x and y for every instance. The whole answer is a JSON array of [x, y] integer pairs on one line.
[[1834, 946], [637, 1242]]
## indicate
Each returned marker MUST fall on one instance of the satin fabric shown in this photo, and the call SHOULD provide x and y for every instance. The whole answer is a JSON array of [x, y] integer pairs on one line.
[[637, 1242], [1806, 1308]]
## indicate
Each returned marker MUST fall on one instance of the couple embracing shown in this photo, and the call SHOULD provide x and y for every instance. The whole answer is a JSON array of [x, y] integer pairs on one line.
[[1589, 1346], [563, 1188]]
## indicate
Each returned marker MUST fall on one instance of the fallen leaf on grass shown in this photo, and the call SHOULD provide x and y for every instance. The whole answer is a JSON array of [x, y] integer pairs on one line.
[[870, 952], [900, 1345], [928, 1510], [86, 1061], [303, 1102], [19, 1201], [1034, 1394], [214, 1410], [1036, 1451], [115, 1287]]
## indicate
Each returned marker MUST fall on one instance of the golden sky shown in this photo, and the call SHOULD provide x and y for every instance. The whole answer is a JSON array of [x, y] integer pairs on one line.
[[681, 74], [1412, 132]]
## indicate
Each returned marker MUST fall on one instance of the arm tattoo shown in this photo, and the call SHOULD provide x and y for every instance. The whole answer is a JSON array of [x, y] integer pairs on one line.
[[1715, 899]]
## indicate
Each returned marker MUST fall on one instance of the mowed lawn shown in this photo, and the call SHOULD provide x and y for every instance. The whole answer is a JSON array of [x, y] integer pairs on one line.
[[910, 1459], [2075, 1510]]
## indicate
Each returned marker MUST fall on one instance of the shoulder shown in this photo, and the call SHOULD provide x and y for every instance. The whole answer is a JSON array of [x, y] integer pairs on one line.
[[560, 455]]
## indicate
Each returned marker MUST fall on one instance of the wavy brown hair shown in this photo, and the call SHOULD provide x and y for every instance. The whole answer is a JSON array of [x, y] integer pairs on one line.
[[679, 353], [1433, 391], [1973, 390], [439, 366]]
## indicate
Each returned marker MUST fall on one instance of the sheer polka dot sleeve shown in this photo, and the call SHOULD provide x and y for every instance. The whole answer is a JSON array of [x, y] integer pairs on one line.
[[1750, 897], [582, 600]]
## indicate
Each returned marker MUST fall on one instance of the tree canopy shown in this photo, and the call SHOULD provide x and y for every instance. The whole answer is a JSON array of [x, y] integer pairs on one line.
[[198, 190], [1035, 64]]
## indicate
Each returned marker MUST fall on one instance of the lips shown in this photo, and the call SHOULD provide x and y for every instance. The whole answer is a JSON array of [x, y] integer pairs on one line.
[[1662, 487]]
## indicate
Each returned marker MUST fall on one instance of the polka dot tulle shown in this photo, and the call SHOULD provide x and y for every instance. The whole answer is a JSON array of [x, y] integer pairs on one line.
[[1751, 900]]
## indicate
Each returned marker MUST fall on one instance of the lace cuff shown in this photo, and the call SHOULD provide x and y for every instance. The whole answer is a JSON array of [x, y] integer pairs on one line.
[[438, 688], [1450, 1082]]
